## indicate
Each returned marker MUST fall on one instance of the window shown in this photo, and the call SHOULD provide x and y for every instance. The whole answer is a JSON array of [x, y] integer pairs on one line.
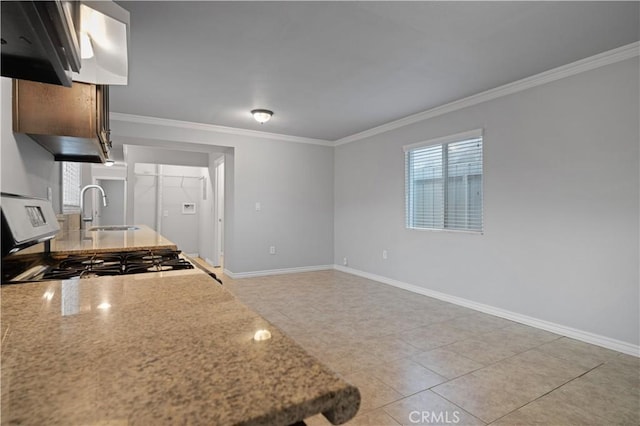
[[443, 185], [71, 181]]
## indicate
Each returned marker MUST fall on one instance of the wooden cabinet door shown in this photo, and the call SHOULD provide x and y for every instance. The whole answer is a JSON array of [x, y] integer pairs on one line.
[[46, 109]]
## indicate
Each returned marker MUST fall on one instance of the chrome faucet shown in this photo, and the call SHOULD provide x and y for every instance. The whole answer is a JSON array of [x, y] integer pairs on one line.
[[89, 218]]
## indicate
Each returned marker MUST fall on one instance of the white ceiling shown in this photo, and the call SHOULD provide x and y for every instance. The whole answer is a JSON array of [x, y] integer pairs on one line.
[[332, 69]]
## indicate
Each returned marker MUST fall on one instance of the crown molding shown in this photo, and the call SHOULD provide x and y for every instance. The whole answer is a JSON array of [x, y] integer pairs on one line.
[[156, 121], [609, 57]]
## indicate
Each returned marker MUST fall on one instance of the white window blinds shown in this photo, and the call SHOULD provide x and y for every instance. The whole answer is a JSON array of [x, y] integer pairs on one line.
[[443, 185], [71, 181]]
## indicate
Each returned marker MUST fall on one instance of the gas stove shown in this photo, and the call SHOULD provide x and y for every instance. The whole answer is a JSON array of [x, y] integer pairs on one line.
[[27, 221], [19, 269]]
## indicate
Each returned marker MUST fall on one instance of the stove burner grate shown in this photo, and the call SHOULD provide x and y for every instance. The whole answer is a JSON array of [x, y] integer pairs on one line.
[[102, 264], [154, 257]]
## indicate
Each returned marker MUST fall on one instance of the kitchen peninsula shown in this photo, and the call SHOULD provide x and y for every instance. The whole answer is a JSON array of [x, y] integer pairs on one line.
[[81, 241], [158, 348]]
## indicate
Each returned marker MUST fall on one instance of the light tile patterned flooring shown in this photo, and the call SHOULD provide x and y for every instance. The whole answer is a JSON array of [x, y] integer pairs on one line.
[[418, 360]]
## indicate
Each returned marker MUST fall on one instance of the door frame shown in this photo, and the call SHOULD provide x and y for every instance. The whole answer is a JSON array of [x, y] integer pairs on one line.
[[218, 211]]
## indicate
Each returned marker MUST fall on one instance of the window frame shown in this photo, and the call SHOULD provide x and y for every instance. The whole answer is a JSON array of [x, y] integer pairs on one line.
[[70, 208], [443, 142]]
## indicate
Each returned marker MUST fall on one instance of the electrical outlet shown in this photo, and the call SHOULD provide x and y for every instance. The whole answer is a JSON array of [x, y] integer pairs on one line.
[[272, 250], [384, 254], [165, 213], [258, 206], [345, 262]]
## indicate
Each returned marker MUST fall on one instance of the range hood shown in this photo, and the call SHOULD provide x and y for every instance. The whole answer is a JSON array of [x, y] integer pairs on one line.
[[40, 40], [61, 41], [104, 37]]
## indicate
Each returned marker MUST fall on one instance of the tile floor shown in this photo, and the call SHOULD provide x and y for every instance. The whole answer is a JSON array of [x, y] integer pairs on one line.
[[418, 360]]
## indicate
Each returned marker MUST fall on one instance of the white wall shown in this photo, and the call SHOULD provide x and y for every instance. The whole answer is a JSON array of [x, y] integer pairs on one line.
[[135, 156], [183, 229], [113, 212], [143, 191], [561, 191], [27, 168], [206, 217], [293, 184]]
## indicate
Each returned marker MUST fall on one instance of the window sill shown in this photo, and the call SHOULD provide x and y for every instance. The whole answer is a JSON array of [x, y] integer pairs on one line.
[[454, 231]]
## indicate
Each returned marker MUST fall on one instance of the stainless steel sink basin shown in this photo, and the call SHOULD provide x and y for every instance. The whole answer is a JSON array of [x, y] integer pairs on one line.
[[114, 228]]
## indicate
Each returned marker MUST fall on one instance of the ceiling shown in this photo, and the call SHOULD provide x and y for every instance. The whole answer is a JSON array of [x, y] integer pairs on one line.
[[332, 69]]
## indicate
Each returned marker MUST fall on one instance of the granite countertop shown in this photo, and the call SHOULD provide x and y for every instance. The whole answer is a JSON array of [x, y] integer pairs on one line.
[[162, 348], [85, 241]]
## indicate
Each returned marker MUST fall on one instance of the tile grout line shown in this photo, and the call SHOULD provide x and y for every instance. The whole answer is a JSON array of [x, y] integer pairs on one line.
[[536, 348], [502, 360], [440, 396], [547, 393]]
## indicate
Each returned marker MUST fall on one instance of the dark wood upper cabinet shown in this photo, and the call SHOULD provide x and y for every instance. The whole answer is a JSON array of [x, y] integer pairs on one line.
[[71, 123]]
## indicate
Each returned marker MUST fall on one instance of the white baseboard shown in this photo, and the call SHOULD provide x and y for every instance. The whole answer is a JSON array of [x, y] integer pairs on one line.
[[584, 336], [252, 274]]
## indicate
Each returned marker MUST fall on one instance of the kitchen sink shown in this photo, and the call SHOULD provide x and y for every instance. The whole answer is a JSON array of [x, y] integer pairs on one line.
[[114, 228]]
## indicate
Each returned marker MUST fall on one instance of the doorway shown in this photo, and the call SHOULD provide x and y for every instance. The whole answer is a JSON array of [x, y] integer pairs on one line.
[[114, 212], [178, 202]]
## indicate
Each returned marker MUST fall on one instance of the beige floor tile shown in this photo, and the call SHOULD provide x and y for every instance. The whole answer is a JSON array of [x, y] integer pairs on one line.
[[516, 339], [483, 352], [447, 363], [406, 376], [434, 336], [373, 418], [374, 393], [317, 420], [479, 323], [448, 311], [428, 408], [578, 352], [536, 367], [485, 396], [495, 391], [599, 401], [628, 360], [549, 411], [616, 378], [389, 349], [390, 343], [532, 332]]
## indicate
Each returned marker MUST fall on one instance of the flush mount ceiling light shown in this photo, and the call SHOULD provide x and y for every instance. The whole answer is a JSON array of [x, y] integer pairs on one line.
[[109, 163], [261, 115]]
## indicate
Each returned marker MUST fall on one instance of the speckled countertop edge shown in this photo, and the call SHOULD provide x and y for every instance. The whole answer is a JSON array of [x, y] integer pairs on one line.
[[155, 356], [86, 242]]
